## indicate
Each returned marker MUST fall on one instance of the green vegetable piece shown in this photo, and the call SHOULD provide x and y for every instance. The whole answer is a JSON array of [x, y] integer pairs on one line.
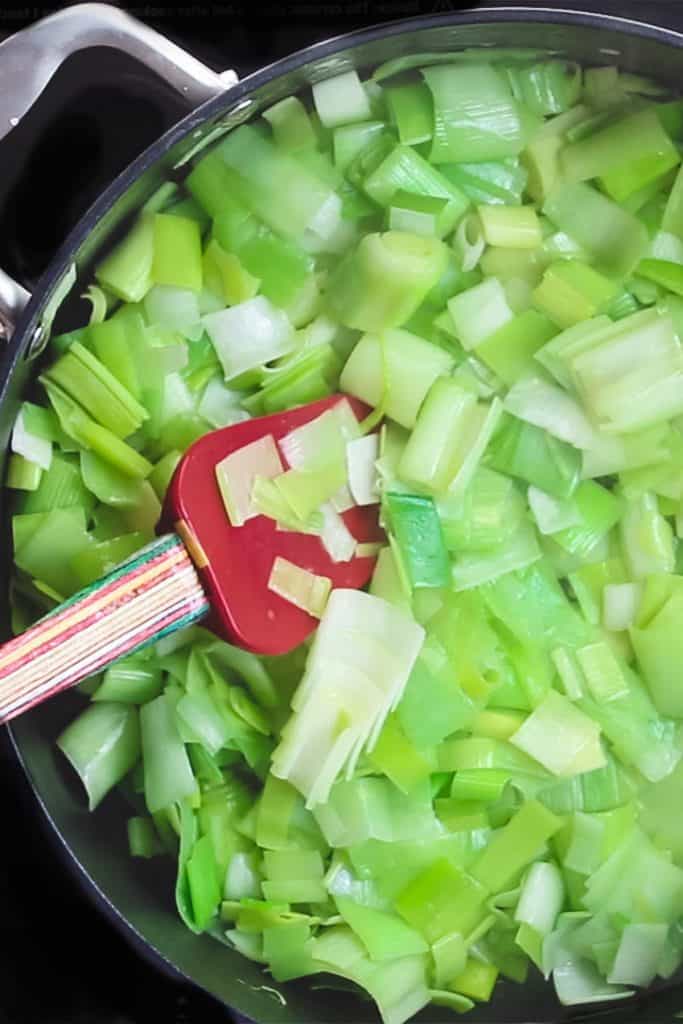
[[102, 745], [410, 108], [92, 436], [281, 267], [98, 559], [626, 155], [405, 171], [127, 270], [450, 956], [529, 453], [394, 370], [168, 775], [433, 704], [477, 980], [46, 543], [509, 351], [162, 473], [572, 291], [615, 237], [385, 936], [440, 442], [656, 640], [395, 756], [260, 174], [202, 877], [416, 527], [551, 87], [177, 258], [289, 951], [86, 380], [23, 475], [475, 115], [383, 281], [441, 900], [143, 840], [133, 680], [114, 344], [292, 127], [515, 846], [663, 272]]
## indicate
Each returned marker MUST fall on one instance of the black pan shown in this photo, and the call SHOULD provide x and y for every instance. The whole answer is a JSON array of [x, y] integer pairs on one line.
[[138, 899]]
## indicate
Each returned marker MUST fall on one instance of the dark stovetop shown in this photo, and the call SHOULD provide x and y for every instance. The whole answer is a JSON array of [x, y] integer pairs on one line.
[[60, 961]]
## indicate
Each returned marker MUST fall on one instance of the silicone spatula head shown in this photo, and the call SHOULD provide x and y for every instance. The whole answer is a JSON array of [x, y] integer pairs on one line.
[[235, 562]]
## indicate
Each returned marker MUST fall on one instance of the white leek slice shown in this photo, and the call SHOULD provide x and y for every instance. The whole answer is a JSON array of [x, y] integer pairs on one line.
[[361, 455], [541, 898], [236, 474], [341, 100], [335, 535], [620, 603], [633, 378], [469, 242], [328, 218], [547, 406], [479, 311], [361, 657], [220, 406], [552, 514], [175, 309], [299, 586], [578, 983], [555, 735], [322, 440], [249, 334], [33, 448], [640, 952]]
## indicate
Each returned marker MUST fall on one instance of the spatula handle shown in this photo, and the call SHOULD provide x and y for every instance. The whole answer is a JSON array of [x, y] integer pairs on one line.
[[154, 593]]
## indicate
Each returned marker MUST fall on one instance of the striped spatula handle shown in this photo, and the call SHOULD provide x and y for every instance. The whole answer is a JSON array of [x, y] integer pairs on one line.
[[154, 593]]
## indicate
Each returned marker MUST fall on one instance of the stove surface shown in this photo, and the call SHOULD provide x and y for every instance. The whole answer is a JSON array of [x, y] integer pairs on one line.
[[61, 962]]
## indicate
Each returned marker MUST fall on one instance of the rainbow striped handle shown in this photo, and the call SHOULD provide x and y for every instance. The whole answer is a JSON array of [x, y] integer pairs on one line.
[[154, 593]]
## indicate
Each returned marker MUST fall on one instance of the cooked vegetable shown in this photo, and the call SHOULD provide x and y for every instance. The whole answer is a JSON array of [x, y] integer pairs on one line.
[[475, 769]]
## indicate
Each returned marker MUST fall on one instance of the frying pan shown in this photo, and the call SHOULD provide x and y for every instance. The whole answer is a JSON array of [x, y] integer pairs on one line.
[[136, 898]]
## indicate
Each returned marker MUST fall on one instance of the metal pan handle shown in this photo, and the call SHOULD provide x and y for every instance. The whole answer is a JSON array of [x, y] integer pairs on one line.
[[29, 59]]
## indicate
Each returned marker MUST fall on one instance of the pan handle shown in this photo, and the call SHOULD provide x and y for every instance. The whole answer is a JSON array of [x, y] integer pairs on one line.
[[30, 58]]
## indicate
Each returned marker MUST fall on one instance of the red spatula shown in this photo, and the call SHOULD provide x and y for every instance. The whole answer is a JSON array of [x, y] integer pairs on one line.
[[200, 567]]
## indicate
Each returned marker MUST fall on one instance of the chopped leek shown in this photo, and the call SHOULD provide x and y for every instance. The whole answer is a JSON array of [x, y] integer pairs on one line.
[[382, 283], [237, 472], [615, 237], [478, 312], [341, 100], [248, 335], [414, 523], [394, 370], [355, 686], [302, 588], [475, 115], [477, 764], [579, 749], [102, 744], [515, 227]]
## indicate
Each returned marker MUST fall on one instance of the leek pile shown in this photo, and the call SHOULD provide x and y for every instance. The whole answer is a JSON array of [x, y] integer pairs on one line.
[[475, 770]]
